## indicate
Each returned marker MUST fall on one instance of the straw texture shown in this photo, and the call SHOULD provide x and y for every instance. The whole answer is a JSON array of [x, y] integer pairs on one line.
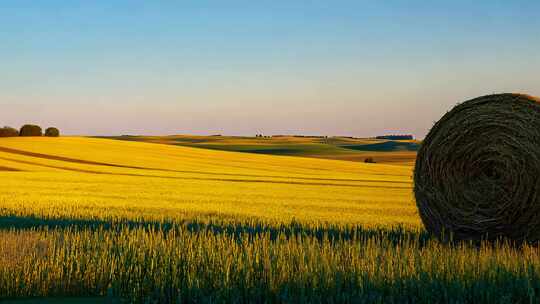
[[477, 174]]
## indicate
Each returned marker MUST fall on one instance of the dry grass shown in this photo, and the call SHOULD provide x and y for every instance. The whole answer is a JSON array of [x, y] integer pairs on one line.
[[476, 176]]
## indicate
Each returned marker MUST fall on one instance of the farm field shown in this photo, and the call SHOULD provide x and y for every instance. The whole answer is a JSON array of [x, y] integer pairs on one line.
[[396, 152], [121, 220]]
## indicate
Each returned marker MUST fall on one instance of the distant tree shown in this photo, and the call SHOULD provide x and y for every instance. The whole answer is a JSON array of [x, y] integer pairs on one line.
[[52, 132], [369, 160], [31, 130], [8, 132]]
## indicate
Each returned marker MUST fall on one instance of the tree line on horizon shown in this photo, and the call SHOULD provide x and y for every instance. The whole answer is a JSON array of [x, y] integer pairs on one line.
[[29, 130]]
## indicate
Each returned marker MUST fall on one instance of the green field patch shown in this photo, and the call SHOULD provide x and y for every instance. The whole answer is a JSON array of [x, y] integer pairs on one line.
[[388, 146]]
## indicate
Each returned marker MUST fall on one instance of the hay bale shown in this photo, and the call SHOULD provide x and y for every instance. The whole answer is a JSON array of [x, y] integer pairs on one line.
[[477, 174], [369, 160]]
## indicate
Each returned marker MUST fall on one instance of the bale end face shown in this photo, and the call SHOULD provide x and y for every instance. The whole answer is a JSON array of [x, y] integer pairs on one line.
[[477, 174]]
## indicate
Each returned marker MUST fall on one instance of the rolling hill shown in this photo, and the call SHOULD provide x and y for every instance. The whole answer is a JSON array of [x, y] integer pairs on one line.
[[338, 148], [75, 178]]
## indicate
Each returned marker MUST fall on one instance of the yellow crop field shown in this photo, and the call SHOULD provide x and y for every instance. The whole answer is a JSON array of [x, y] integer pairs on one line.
[[104, 179], [110, 220]]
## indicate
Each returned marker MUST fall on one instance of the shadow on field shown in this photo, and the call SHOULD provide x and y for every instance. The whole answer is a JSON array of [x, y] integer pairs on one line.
[[53, 300], [103, 164], [3, 168], [239, 230], [406, 185]]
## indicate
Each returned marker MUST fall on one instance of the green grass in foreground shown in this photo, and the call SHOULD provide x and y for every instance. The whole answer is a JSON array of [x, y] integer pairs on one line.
[[233, 263]]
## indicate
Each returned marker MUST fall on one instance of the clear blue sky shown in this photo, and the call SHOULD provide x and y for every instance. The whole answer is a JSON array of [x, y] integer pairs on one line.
[[308, 67]]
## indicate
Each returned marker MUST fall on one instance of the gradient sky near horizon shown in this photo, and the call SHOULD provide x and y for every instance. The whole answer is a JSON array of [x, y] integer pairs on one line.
[[359, 68]]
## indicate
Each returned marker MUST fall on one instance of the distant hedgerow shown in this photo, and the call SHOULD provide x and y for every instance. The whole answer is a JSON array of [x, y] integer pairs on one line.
[[31, 130], [8, 132], [52, 132]]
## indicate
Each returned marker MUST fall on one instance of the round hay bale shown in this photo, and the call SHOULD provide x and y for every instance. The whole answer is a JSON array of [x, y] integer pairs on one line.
[[477, 174]]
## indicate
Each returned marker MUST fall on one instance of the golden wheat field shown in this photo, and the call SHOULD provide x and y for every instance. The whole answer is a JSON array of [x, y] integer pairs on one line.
[[107, 221], [77, 178]]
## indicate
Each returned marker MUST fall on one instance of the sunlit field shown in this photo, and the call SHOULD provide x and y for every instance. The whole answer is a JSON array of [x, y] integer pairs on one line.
[[80, 178], [143, 222], [402, 152]]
